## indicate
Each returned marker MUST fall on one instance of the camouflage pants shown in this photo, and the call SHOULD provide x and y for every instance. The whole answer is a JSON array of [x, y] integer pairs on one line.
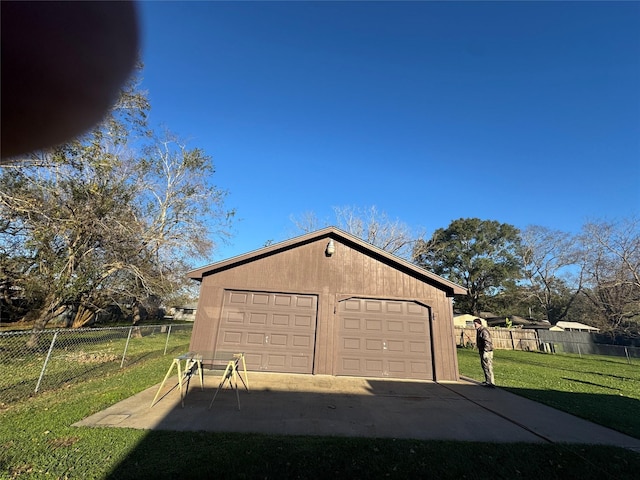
[[486, 360]]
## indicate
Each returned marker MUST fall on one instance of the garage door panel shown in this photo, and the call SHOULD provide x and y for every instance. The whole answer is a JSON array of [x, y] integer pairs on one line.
[[303, 321], [418, 348], [395, 326], [383, 338], [372, 305], [352, 305], [276, 361], [415, 309], [394, 307], [396, 346], [279, 340], [416, 327], [232, 338], [253, 338], [259, 298], [351, 344], [301, 362], [282, 300], [275, 331], [280, 320], [239, 298], [301, 341], [252, 358], [257, 318], [372, 365], [351, 323], [350, 365], [397, 367], [234, 317], [419, 368], [305, 302], [373, 325]]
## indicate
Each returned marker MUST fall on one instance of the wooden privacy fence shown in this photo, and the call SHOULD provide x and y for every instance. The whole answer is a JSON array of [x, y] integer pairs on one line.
[[503, 338]]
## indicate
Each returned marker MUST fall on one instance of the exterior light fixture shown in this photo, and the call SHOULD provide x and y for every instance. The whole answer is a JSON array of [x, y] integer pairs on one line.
[[331, 248]]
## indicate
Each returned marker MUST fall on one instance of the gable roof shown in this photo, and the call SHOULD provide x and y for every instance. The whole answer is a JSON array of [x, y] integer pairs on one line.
[[332, 232], [575, 326]]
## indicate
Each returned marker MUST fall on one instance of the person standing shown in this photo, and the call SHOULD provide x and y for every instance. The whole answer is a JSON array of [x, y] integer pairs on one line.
[[485, 348]]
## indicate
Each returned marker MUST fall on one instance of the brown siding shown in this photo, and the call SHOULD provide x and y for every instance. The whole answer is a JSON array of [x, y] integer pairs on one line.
[[349, 272], [446, 361]]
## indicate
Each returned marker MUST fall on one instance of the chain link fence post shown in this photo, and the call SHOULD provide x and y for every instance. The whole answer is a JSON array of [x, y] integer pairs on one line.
[[46, 361], [126, 346], [626, 352], [166, 344]]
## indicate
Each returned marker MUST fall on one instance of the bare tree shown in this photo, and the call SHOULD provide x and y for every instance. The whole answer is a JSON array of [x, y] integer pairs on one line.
[[102, 221], [550, 264], [367, 223], [376, 228], [612, 271], [307, 222]]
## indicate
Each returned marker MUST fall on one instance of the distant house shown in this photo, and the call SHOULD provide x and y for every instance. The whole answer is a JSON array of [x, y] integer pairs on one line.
[[465, 320], [186, 313], [573, 327], [515, 321]]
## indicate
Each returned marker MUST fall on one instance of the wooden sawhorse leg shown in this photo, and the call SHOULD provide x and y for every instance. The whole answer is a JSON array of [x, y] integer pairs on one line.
[[188, 372], [174, 363], [230, 373], [245, 380], [186, 375]]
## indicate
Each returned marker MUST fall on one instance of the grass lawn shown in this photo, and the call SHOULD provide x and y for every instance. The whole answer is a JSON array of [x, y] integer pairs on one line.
[[37, 440], [604, 390], [78, 355]]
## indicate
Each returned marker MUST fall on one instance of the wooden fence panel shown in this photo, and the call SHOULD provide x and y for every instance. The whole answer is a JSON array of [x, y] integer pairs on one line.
[[503, 338]]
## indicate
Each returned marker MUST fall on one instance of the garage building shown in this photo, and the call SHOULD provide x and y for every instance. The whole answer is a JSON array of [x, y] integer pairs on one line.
[[328, 303]]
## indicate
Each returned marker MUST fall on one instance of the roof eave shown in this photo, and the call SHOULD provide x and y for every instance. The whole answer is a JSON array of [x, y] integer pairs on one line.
[[449, 287]]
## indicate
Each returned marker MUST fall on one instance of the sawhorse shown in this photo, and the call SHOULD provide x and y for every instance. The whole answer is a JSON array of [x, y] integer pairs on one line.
[[191, 362], [232, 372]]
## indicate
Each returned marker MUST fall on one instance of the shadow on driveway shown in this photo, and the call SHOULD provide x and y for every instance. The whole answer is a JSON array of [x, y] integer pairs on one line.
[[290, 404]]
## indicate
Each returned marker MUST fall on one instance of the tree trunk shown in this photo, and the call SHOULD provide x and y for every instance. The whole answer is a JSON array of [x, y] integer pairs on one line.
[[83, 317], [137, 313], [53, 309]]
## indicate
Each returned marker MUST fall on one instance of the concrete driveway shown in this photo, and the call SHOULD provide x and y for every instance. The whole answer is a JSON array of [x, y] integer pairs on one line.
[[288, 404]]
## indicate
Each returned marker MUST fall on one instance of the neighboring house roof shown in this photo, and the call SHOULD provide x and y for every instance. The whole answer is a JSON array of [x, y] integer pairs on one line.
[[518, 322], [462, 319], [576, 326], [465, 316], [332, 232]]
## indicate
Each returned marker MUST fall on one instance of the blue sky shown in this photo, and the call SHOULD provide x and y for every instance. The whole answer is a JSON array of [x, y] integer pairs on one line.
[[521, 112]]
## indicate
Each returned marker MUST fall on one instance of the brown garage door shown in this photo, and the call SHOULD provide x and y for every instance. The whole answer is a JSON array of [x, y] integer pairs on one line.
[[276, 331], [383, 338]]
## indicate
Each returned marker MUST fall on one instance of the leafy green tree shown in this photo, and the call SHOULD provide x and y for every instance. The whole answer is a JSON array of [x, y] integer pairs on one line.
[[512, 299], [113, 217], [480, 255]]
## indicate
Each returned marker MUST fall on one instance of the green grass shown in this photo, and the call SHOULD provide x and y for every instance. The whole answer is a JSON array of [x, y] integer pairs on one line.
[[38, 441], [77, 356], [604, 390]]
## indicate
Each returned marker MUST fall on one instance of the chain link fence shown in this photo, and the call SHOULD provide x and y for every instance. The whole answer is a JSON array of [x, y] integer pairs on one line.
[[31, 362], [581, 343], [581, 348]]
